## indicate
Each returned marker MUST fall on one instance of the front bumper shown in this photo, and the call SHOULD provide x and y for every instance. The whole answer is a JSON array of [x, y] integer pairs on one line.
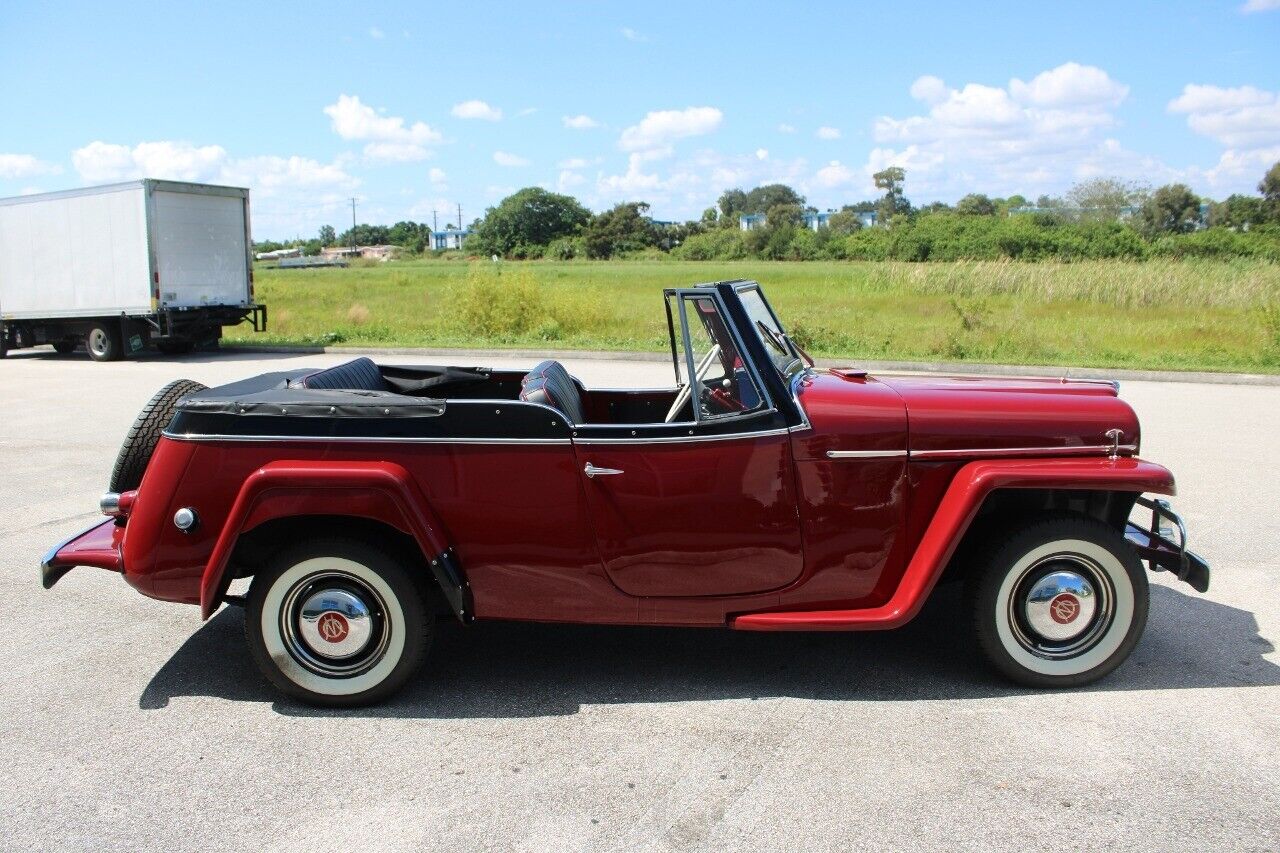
[[1161, 552], [98, 545]]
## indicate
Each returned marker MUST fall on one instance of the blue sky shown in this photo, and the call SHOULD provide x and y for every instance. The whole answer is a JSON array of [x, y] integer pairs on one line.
[[412, 107]]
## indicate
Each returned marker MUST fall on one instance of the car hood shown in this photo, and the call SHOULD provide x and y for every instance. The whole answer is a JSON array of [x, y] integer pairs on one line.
[[953, 415], [958, 417]]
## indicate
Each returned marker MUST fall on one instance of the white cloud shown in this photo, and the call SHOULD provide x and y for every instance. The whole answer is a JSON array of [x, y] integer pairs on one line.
[[836, 174], [1251, 6], [1244, 120], [827, 133], [580, 122], [437, 175], [1242, 117], [762, 153], [388, 138], [502, 158], [661, 127], [1028, 137], [929, 89], [527, 111], [786, 128], [632, 35], [181, 161], [291, 194], [477, 110], [24, 166], [376, 33], [578, 163], [1070, 85], [568, 180], [683, 186]]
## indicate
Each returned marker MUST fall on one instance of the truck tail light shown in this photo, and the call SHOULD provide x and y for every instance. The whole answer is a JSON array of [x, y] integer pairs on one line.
[[155, 286]]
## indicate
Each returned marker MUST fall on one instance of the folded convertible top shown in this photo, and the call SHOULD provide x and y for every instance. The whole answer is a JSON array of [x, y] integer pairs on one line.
[[271, 394]]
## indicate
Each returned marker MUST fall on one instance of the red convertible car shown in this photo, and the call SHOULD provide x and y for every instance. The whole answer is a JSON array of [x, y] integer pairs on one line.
[[759, 493]]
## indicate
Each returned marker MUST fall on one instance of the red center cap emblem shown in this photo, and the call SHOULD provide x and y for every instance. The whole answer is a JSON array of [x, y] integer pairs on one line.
[[333, 627], [1064, 608]]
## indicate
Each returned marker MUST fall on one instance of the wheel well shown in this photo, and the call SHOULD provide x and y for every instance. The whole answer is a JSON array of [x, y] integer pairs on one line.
[[1007, 509], [255, 548]]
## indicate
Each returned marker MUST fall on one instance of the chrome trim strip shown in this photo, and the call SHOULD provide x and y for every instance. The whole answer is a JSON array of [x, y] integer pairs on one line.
[[866, 454], [1090, 450], [333, 439], [683, 439], [755, 413]]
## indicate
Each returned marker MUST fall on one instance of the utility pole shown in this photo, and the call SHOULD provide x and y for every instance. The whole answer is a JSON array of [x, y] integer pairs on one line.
[[353, 226], [435, 226], [459, 217]]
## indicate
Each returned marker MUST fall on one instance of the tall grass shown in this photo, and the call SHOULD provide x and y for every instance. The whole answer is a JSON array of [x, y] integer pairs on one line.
[[1191, 314]]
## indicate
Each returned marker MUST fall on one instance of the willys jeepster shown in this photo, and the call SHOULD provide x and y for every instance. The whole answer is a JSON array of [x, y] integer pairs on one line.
[[363, 502]]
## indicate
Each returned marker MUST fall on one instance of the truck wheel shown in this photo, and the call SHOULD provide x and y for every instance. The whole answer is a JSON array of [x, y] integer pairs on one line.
[[141, 440], [64, 347], [103, 342], [337, 622], [1060, 603]]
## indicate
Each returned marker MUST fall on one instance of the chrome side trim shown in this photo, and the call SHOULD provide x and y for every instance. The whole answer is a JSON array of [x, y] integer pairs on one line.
[[683, 439], [866, 454], [332, 439], [1090, 450]]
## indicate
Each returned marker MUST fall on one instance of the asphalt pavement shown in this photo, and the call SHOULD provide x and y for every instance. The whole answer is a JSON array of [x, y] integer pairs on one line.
[[127, 723]]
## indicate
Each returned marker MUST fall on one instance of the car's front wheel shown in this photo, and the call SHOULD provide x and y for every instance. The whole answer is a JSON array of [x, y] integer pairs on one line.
[[1060, 602], [337, 622]]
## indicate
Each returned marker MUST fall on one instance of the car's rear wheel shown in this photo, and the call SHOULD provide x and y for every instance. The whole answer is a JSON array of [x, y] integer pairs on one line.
[[338, 623], [1060, 603]]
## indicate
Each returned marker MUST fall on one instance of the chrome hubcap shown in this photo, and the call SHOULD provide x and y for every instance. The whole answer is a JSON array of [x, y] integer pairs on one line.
[[334, 624], [1061, 606]]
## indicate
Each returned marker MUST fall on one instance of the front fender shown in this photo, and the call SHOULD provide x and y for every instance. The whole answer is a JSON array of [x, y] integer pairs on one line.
[[382, 491], [955, 511]]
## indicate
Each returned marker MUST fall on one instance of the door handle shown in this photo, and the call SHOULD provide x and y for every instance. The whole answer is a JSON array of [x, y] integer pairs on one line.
[[592, 471]]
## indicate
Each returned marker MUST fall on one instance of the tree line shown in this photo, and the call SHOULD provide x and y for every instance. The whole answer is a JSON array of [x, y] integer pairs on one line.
[[1097, 218]]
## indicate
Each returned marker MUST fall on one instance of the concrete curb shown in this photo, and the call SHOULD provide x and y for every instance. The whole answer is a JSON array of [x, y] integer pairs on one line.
[[949, 367]]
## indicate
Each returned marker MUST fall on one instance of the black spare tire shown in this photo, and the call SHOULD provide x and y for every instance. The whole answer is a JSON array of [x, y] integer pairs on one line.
[[144, 435]]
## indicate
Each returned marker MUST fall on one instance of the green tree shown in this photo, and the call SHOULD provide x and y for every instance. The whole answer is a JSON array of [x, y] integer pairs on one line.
[[732, 204], [530, 217], [366, 235], [327, 235], [1172, 209], [894, 202], [1105, 199], [845, 221], [1269, 186], [1238, 211], [762, 199], [623, 228], [975, 204]]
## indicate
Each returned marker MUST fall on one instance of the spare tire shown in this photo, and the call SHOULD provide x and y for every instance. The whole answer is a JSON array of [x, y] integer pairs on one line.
[[144, 435]]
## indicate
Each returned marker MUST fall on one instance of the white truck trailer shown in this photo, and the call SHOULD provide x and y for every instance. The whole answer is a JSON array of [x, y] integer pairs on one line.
[[125, 266]]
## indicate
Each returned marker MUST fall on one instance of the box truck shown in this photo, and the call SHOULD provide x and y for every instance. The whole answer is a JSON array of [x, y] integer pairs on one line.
[[126, 266]]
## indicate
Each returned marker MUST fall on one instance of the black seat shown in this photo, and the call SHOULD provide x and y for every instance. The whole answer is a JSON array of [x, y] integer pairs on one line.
[[550, 384], [358, 375]]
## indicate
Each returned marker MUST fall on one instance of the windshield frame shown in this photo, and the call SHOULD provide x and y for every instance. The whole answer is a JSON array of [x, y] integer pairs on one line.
[[794, 362]]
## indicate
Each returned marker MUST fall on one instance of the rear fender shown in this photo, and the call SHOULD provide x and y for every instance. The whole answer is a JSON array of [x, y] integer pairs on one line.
[[958, 506], [381, 491]]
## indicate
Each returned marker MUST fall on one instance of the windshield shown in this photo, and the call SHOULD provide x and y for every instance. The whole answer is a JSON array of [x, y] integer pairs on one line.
[[781, 351]]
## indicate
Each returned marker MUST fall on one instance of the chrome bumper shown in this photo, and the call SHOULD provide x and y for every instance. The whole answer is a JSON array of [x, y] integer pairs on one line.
[[1159, 549]]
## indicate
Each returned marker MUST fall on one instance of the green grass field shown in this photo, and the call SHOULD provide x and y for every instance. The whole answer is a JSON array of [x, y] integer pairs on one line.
[[1180, 315]]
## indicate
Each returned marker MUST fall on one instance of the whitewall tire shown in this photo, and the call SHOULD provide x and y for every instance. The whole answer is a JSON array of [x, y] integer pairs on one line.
[[1059, 603], [337, 622]]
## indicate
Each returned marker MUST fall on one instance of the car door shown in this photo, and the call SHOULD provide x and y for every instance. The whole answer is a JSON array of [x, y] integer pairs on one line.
[[703, 505]]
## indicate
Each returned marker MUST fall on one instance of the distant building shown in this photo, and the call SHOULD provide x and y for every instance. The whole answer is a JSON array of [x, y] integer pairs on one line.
[[450, 238], [377, 253], [295, 252], [752, 221], [868, 218], [813, 220]]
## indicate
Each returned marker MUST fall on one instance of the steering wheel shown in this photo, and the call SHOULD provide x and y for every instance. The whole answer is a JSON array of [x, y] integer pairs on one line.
[[704, 367]]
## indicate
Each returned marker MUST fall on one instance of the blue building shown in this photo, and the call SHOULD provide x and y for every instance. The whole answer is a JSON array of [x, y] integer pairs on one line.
[[812, 220], [450, 238], [751, 221]]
